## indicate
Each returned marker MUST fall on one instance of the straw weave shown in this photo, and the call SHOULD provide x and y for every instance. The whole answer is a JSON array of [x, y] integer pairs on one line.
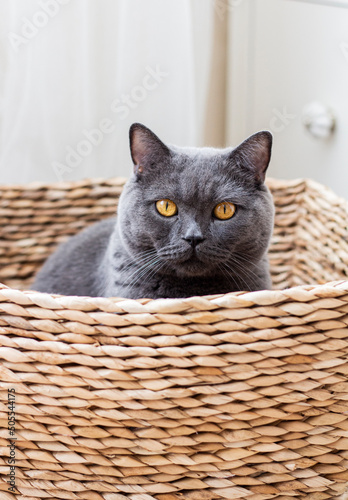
[[242, 395]]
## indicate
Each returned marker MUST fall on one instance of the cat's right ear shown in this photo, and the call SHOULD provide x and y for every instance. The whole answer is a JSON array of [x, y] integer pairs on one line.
[[147, 150], [254, 154]]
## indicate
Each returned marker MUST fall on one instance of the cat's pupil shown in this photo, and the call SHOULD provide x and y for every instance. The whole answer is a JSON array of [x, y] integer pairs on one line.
[[167, 205], [224, 209]]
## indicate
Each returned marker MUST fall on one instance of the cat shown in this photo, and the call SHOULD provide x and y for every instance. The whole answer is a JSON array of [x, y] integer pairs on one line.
[[191, 221]]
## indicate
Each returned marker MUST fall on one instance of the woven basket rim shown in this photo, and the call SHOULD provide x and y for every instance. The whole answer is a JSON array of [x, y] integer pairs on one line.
[[120, 180], [35, 185], [302, 293]]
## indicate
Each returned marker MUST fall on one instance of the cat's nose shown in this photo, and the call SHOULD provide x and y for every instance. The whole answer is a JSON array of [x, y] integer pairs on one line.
[[193, 240]]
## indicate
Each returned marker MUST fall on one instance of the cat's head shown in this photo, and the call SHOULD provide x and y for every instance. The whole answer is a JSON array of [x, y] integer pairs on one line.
[[196, 211]]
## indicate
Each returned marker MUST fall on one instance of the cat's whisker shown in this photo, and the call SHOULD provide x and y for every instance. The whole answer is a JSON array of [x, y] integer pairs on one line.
[[150, 261], [170, 251], [138, 258], [242, 271], [135, 265], [247, 261], [229, 276], [145, 265], [219, 253], [156, 269], [234, 278], [150, 270]]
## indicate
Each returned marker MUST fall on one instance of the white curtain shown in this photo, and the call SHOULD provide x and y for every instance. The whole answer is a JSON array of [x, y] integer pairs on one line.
[[76, 73]]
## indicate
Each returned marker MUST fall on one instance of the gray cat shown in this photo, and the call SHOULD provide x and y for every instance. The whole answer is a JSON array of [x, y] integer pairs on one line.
[[191, 221]]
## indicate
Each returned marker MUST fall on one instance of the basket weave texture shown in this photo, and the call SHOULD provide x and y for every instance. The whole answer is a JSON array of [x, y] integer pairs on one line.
[[242, 395]]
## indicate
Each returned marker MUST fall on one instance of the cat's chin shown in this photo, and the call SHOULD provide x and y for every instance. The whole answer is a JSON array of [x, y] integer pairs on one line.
[[192, 267]]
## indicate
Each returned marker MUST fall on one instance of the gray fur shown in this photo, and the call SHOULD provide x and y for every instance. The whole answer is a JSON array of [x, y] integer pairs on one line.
[[143, 254]]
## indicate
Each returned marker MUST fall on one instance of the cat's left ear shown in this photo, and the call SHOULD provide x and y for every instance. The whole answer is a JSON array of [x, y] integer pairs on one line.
[[255, 154], [147, 150]]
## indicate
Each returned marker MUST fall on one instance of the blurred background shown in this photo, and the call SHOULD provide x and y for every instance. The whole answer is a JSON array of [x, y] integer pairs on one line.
[[75, 74]]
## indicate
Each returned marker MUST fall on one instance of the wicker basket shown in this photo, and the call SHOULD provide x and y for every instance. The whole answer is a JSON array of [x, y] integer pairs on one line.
[[243, 395]]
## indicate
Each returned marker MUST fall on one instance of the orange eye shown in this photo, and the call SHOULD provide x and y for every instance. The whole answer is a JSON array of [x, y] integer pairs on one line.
[[224, 210], [166, 207]]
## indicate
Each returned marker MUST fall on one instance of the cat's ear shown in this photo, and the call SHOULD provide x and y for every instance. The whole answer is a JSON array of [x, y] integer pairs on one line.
[[147, 150], [255, 154]]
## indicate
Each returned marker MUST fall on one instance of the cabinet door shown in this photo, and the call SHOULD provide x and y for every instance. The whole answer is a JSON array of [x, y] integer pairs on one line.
[[284, 55]]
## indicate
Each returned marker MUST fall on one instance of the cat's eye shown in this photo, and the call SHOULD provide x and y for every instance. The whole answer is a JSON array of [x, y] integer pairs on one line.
[[166, 207], [224, 210]]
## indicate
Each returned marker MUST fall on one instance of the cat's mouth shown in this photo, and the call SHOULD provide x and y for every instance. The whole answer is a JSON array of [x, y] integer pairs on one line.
[[194, 266], [193, 258], [190, 262]]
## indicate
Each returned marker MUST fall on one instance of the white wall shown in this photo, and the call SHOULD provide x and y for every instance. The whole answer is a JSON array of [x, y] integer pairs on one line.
[[284, 55], [68, 76]]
